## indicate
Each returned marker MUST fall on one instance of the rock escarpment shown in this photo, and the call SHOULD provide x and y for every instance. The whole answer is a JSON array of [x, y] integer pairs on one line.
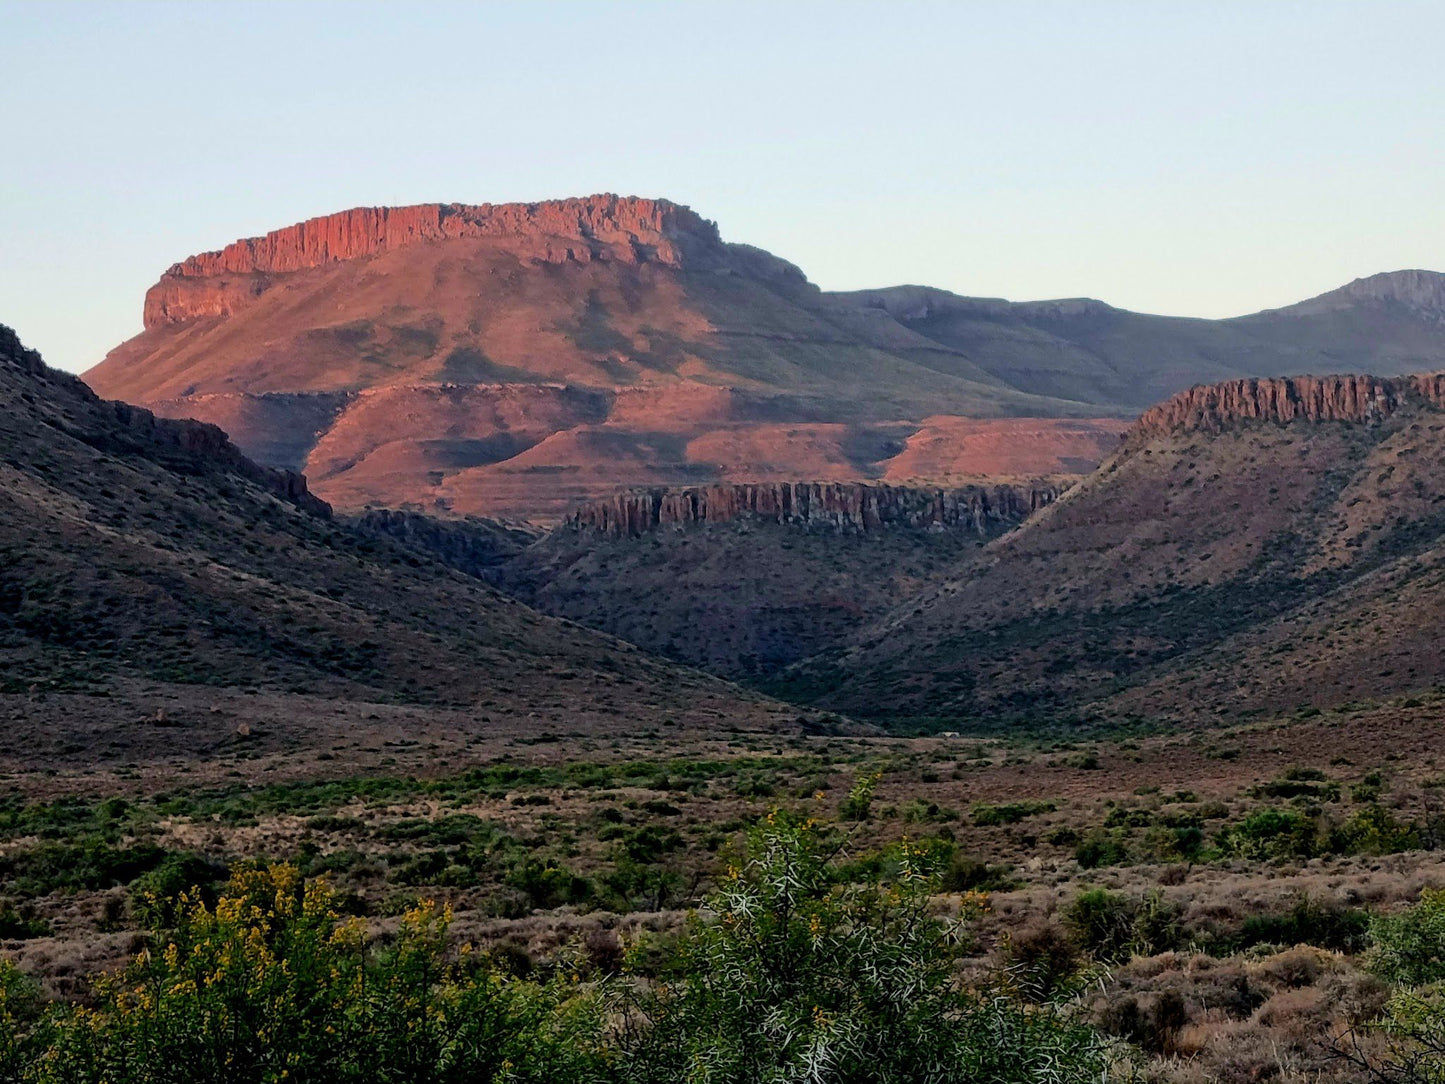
[[1359, 399], [182, 444], [834, 506], [606, 227]]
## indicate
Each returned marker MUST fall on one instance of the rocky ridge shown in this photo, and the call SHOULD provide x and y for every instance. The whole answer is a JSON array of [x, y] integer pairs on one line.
[[603, 227], [1358, 399], [185, 445], [855, 507]]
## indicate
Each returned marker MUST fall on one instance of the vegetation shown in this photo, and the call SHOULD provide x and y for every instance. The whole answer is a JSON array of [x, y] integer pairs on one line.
[[788, 974]]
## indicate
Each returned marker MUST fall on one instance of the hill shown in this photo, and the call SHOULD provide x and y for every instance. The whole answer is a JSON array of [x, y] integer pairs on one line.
[[514, 360], [1255, 545], [144, 560], [1081, 349]]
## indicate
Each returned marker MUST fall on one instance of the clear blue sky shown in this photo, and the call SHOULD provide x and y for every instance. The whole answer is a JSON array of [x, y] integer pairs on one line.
[[1196, 158]]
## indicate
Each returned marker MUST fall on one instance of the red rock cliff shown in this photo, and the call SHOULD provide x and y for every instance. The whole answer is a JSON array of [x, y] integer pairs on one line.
[[606, 227], [1362, 399], [834, 505]]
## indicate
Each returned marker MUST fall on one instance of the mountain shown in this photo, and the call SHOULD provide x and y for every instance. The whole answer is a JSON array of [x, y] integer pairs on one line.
[[1390, 324], [1255, 545], [508, 360], [139, 553], [513, 360]]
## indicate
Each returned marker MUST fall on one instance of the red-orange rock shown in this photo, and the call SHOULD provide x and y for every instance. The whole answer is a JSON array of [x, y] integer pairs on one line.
[[607, 227], [1360, 399]]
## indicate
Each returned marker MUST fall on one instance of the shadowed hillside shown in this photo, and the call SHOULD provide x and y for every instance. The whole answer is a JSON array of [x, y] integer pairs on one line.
[[1256, 545], [137, 549]]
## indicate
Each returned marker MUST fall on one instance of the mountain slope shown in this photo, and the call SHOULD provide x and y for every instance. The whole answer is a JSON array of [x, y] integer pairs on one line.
[[134, 549], [744, 580], [1389, 324], [1255, 545]]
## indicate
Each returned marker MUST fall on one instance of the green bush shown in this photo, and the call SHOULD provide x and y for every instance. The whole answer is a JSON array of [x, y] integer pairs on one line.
[[1308, 922], [1409, 948], [271, 984], [789, 975], [1010, 812], [1112, 927], [1273, 833]]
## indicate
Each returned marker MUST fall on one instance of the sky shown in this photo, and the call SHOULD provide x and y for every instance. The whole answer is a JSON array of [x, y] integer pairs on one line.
[[1201, 158]]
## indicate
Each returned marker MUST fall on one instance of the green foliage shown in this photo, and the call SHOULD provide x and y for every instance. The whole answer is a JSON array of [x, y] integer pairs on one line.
[[1373, 830], [1409, 948], [1102, 847], [1112, 927], [859, 803], [1273, 833], [20, 923], [271, 984], [1308, 922], [790, 975], [24, 1025], [1009, 812], [90, 863]]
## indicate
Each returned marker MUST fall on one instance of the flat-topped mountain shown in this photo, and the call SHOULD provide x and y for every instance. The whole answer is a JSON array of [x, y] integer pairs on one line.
[[517, 359], [1255, 545]]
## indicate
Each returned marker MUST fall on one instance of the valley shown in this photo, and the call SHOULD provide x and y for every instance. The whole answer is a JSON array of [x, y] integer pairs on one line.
[[1160, 737]]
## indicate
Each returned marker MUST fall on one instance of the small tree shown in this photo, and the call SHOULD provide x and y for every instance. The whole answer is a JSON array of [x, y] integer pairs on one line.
[[790, 976]]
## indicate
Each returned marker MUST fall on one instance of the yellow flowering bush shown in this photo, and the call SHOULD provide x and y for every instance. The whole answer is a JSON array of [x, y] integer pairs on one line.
[[793, 972], [272, 985]]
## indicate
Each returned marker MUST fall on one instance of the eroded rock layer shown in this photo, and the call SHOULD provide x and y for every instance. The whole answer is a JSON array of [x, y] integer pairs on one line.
[[1349, 398], [577, 230], [837, 506]]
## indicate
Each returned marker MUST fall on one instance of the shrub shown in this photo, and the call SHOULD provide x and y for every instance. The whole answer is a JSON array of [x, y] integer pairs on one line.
[[1308, 922], [1409, 948], [791, 976], [788, 975], [271, 984], [1102, 847], [859, 803], [1373, 830], [1010, 812], [1112, 927], [1272, 833], [1045, 959]]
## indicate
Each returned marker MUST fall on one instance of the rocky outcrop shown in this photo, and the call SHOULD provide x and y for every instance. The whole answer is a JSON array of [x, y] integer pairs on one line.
[[181, 444], [1358, 399], [829, 505], [605, 227]]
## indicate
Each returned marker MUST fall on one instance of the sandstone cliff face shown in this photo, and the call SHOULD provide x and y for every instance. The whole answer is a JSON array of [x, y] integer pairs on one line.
[[1359, 399], [606, 227], [835, 506]]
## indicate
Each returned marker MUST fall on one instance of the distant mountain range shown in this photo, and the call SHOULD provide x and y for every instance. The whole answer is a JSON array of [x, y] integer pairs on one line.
[[514, 360]]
